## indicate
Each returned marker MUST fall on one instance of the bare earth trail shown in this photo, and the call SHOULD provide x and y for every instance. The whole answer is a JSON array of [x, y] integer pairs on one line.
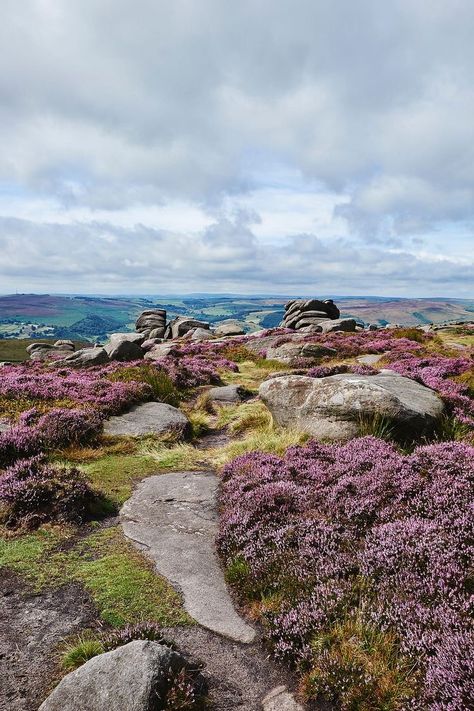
[[173, 519]]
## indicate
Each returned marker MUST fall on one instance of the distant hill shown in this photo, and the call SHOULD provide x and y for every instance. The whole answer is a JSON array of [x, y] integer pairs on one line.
[[94, 317]]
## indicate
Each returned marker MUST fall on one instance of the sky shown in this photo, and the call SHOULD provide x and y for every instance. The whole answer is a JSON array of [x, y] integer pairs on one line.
[[261, 146]]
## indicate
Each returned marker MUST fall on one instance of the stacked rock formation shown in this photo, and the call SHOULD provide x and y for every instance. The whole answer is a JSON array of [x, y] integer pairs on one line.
[[300, 313], [152, 323]]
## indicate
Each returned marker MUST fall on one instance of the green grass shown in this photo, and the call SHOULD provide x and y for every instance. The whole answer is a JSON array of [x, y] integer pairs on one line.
[[252, 373], [122, 583], [243, 417], [115, 474], [84, 648]]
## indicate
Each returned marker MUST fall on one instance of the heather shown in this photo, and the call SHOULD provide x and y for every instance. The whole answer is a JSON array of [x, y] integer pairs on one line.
[[33, 492], [340, 544], [37, 433], [437, 372]]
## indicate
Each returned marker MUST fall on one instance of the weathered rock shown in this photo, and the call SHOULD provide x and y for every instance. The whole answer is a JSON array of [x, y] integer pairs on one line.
[[5, 425], [280, 699], [300, 313], [287, 352], [370, 358], [134, 677], [160, 350], [229, 329], [182, 325], [150, 343], [228, 393], [152, 320], [311, 328], [330, 408], [84, 357], [65, 345], [340, 324], [123, 350], [149, 418], [373, 327], [132, 337], [156, 332], [200, 334], [173, 518], [39, 346]]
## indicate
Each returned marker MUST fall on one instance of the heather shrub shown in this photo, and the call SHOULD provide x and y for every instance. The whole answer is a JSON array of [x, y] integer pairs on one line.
[[160, 384], [436, 372], [33, 492], [360, 556]]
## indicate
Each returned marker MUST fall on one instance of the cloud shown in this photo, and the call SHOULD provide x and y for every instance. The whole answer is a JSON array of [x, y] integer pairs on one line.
[[139, 108], [105, 258]]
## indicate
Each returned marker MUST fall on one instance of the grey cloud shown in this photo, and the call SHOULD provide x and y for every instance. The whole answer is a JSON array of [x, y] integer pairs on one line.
[[117, 102], [102, 257]]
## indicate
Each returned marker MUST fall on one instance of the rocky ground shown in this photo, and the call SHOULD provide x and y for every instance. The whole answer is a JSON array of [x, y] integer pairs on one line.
[[152, 435]]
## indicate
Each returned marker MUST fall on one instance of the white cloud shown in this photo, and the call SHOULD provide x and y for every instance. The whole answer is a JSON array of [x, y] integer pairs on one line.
[[140, 124]]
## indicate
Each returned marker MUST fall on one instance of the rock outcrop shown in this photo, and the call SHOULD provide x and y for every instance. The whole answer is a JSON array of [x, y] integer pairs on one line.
[[300, 313], [230, 328], [181, 325], [135, 677], [45, 351], [152, 322], [84, 357], [331, 408]]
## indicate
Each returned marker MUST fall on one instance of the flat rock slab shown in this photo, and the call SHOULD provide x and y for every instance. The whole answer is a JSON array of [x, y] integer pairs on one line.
[[149, 418], [174, 518], [280, 699]]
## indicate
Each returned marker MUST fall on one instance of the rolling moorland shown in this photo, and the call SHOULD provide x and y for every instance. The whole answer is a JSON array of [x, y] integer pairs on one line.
[[93, 318], [344, 531]]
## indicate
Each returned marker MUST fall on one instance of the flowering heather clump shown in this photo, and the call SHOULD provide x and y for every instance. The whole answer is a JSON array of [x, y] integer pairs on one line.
[[322, 371], [57, 428], [360, 536], [192, 371], [85, 387], [436, 372], [143, 630], [33, 492]]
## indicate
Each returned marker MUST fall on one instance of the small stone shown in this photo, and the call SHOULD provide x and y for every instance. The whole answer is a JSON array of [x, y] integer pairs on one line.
[[228, 393]]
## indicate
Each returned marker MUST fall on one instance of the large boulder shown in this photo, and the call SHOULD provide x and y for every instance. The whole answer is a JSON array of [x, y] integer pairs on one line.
[[152, 321], [84, 358], [132, 337], [134, 677], [300, 313], [229, 329], [181, 325], [47, 351], [288, 352], [123, 350], [149, 418], [160, 350], [331, 408], [339, 324], [200, 334]]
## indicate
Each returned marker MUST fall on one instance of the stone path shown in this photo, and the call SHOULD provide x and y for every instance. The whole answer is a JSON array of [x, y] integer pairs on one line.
[[173, 519], [173, 516]]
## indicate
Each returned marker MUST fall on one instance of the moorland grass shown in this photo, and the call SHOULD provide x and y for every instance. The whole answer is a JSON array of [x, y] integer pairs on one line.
[[122, 583]]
